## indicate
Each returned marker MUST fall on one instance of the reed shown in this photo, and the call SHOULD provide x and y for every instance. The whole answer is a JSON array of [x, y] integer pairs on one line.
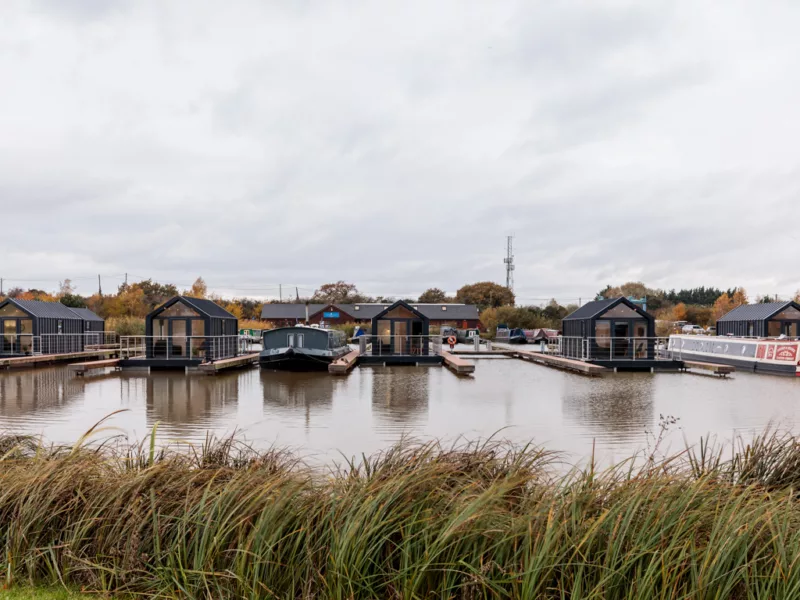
[[474, 520]]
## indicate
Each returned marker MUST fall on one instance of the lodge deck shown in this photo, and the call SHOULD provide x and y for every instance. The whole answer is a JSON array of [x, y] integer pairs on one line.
[[567, 364], [21, 362], [457, 364], [342, 366], [235, 362], [716, 369], [81, 368]]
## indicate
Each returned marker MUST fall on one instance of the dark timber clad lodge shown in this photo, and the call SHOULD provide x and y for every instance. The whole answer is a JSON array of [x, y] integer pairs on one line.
[[35, 327], [762, 320], [190, 331], [278, 315], [609, 330]]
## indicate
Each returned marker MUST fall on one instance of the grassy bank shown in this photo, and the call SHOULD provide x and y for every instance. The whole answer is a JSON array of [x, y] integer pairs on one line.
[[420, 521]]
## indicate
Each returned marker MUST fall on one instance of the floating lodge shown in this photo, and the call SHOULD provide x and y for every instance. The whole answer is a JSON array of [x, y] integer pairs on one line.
[[30, 327], [771, 319], [185, 332]]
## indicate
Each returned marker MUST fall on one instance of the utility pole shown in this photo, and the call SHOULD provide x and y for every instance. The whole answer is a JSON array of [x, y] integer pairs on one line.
[[99, 286], [280, 292], [126, 280], [1, 286], [297, 293], [509, 262]]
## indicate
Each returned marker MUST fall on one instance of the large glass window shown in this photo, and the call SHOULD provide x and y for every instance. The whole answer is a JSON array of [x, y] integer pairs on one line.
[[9, 310], [179, 338], [773, 328], [179, 309], [602, 331]]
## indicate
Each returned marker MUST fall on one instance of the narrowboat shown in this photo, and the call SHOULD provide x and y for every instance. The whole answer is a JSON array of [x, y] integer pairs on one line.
[[517, 336], [301, 348], [466, 336], [447, 332], [766, 355]]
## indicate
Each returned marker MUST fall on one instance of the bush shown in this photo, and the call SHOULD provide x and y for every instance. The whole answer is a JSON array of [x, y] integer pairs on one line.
[[126, 325]]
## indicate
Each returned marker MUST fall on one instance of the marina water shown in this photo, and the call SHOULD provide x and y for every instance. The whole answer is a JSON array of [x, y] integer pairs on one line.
[[325, 417]]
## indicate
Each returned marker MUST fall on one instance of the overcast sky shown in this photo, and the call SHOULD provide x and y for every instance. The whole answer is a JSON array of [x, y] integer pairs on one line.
[[396, 144]]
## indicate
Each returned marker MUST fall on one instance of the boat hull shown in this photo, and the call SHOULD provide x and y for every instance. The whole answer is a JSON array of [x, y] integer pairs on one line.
[[766, 356], [294, 360]]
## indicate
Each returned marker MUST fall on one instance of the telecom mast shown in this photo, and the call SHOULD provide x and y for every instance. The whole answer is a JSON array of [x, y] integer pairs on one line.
[[509, 262]]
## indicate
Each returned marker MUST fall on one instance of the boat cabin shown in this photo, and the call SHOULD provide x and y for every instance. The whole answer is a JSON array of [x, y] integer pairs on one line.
[[35, 327], [400, 330], [609, 330], [771, 319], [192, 329]]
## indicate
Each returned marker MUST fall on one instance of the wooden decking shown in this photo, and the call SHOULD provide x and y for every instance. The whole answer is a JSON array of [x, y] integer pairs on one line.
[[21, 362], [235, 362], [559, 362], [81, 368], [721, 370], [342, 366], [457, 364]]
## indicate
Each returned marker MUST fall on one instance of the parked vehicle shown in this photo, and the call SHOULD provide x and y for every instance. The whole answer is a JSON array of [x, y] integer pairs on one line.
[[693, 329]]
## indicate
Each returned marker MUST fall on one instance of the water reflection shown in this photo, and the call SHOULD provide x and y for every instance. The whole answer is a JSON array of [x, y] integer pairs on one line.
[[29, 391], [400, 394], [619, 407], [284, 389], [184, 402]]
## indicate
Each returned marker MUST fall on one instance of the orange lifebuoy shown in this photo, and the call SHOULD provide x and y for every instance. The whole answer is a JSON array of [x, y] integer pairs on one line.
[[451, 340]]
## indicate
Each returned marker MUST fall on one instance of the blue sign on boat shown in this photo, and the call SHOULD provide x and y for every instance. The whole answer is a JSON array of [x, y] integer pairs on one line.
[[330, 315]]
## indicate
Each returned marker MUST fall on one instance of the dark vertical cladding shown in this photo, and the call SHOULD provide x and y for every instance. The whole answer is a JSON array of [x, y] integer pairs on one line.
[[35, 327], [762, 320]]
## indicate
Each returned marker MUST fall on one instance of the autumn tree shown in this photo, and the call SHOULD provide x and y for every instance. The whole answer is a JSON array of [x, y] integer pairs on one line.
[[485, 294], [722, 307], [338, 293], [739, 298], [65, 288], [199, 289], [679, 312], [433, 296]]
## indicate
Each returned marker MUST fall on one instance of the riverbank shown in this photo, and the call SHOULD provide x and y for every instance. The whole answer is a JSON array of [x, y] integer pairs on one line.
[[479, 520]]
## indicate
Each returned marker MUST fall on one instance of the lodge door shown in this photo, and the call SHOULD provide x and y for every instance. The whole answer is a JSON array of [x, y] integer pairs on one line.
[[621, 341]]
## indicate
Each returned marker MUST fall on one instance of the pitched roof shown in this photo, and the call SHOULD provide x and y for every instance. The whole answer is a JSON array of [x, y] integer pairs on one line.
[[596, 307], [454, 312], [86, 314], [591, 309], [209, 307], [757, 312], [45, 310]]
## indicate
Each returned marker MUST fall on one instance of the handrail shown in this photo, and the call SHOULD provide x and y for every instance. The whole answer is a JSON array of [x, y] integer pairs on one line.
[[207, 348]]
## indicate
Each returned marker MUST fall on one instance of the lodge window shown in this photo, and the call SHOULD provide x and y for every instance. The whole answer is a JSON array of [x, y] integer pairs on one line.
[[60, 326]]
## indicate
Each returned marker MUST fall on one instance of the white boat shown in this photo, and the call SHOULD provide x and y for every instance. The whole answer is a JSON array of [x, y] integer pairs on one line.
[[766, 355]]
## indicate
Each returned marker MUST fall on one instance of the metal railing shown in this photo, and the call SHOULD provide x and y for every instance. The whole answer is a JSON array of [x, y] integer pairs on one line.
[[27, 344], [401, 345], [206, 348], [614, 348]]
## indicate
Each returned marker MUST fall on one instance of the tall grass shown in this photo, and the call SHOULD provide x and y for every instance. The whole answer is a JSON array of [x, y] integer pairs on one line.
[[485, 520], [126, 325]]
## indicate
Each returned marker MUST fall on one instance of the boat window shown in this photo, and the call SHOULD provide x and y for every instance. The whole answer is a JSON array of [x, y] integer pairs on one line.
[[300, 338], [290, 340]]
